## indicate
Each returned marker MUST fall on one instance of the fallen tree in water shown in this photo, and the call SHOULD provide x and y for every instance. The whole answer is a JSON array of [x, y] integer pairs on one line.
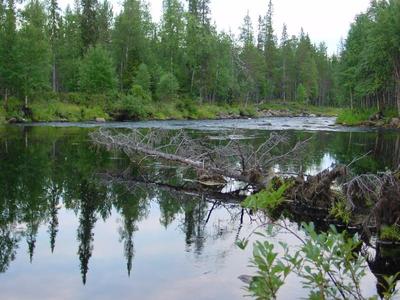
[[366, 202], [231, 159]]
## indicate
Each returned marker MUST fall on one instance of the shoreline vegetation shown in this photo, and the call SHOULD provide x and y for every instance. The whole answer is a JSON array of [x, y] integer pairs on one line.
[[87, 62], [78, 108], [75, 110]]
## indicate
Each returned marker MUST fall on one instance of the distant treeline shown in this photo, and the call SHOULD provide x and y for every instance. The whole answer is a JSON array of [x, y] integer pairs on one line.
[[86, 49]]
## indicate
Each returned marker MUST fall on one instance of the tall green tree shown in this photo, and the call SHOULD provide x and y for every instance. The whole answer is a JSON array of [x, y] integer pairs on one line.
[[172, 36], [97, 73], [70, 50], [8, 55], [270, 52], [33, 50], [54, 34], [104, 19], [131, 41], [89, 24]]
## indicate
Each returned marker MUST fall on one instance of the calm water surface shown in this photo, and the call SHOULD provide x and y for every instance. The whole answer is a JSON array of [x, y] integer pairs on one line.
[[68, 232]]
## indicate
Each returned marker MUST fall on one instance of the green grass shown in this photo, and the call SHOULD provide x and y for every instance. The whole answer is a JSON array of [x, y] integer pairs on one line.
[[59, 111], [359, 116], [76, 107], [390, 233]]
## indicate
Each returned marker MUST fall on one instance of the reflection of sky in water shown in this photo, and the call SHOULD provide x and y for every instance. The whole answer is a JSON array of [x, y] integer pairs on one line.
[[162, 266], [326, 162]]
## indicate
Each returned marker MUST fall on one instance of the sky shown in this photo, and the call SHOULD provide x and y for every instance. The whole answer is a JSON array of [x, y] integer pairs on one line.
[[325, 20]]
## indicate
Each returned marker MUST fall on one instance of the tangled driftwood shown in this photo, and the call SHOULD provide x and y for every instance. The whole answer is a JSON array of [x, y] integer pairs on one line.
[[231, 159], [369, 200]]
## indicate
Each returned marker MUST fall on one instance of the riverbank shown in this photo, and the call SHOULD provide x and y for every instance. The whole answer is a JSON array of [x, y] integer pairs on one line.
[[369, 118], [58, 111]]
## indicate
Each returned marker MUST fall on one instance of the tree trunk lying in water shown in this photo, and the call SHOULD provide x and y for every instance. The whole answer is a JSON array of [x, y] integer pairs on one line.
[[231, 158], [367, 201]]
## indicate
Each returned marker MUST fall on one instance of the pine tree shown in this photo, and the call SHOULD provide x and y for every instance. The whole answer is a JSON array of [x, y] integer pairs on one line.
[[246, 36], [89, 29], [270, 52], [54, 28], [261, 34], [104, 19], [204, 12], [285, 58]]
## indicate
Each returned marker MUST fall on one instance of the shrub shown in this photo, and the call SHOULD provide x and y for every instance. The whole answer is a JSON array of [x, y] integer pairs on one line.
[[301, 92], [96, 73], [327, 264], [140, 93], [133, 107], [167, 87], [143, 77]]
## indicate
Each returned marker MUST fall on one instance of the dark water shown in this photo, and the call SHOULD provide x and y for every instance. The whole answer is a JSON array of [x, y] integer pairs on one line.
[[68, 232]]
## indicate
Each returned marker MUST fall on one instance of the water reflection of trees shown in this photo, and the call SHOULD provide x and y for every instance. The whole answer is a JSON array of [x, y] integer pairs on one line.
[[45, 169]]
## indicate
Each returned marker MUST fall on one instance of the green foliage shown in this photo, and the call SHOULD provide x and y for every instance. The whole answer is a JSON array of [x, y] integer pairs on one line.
[[269, 199], [359, 116], [14, 109], [57, 111], [369, 66], [33, 50], [96, 73], [340, 211], [302, 96], [354, 117], [143, 77], [86, 49], [271, 271], [167, 87], [390, 233], [139, 92], [327, 264], [248, 111]]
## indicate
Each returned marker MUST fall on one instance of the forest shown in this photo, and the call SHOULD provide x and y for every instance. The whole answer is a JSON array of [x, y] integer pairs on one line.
[[99, 62]]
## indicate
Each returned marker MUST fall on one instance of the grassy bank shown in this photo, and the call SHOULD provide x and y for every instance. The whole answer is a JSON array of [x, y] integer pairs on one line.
[[357, 117], [79, 107]]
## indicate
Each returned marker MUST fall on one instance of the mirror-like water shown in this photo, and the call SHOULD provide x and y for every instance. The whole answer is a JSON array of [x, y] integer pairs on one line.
[[68, 232]]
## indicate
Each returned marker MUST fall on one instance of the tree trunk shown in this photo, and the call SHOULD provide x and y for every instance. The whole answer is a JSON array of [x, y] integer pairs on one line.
[[26, 101], [192, 82], [397, 92], [54, 77], [5, 98]]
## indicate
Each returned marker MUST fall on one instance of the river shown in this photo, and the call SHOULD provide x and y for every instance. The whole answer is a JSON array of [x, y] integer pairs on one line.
[[68, 232]]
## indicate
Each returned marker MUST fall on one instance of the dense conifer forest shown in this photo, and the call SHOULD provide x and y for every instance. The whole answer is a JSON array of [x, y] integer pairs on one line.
[[89, 55]]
